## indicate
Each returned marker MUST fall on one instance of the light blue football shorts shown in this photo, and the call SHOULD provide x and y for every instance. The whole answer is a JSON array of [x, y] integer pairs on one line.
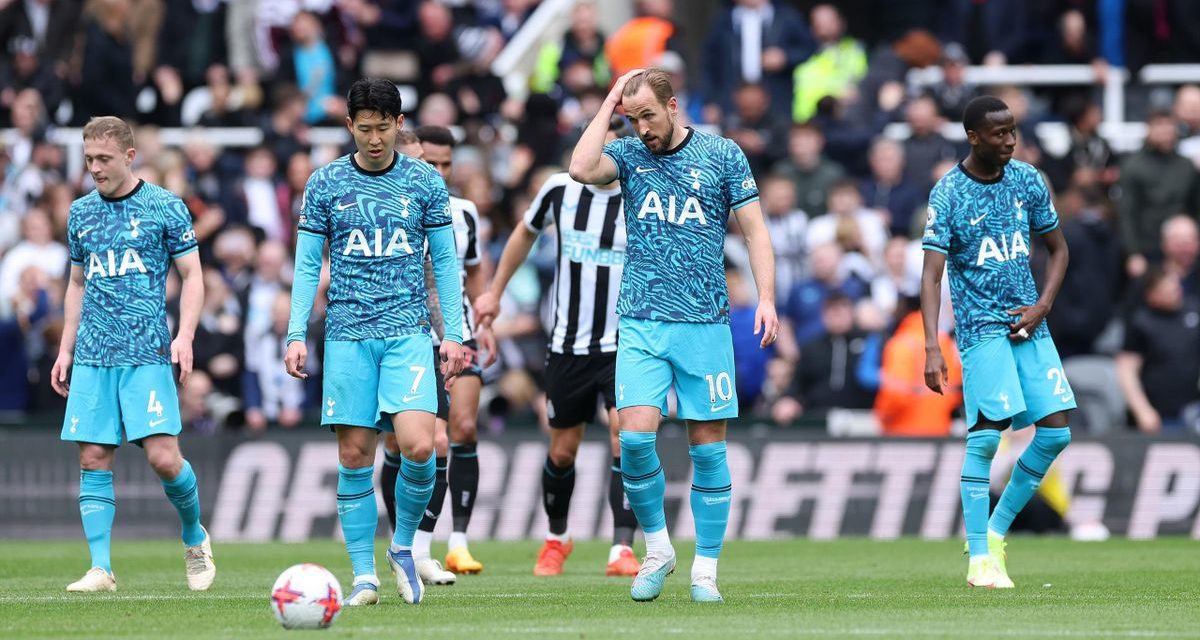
[[108, 403], [1024, 381], [366, 381], [695, 358]]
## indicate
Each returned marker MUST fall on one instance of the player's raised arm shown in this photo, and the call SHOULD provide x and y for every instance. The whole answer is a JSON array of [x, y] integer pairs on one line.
[[191, 299], [589, 165], [73, 302]]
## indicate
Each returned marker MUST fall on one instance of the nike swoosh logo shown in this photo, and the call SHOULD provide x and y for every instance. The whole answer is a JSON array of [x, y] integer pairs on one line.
[[1067, 399], [343, 207], [155, 423], [716, 408], [83, 233], [411, 398], [975, 221], [645, 170]]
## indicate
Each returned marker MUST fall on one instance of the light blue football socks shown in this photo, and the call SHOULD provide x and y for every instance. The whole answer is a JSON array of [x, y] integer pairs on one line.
[[644, 481], [414, 486], [1027, 475], [711, 493], [358, 514], [97, 507], [184, 494], [974, 484]]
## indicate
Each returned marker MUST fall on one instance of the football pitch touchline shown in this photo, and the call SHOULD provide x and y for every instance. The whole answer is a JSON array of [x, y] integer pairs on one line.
[[896, 632]]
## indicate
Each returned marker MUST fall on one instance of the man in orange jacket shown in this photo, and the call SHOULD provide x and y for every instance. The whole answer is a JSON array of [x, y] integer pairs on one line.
[[904, 405]]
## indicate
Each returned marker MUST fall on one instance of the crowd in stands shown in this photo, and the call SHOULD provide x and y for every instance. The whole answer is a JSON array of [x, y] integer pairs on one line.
[[805, 88]]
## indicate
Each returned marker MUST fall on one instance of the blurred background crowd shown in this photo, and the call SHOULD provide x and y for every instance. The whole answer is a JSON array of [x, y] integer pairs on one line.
[[845, 146]]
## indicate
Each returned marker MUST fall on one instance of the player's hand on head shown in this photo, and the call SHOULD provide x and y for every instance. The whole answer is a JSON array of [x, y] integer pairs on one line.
[[293, 361], [937, 376], [766, 321], [181, 354], [619, 85], [451, 354], [60, 374]]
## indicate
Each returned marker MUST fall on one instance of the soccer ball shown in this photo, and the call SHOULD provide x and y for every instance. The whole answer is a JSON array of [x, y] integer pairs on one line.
[[306, 596]]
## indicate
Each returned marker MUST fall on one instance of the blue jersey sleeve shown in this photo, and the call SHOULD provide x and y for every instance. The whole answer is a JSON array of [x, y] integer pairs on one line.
[[436, 212], [739, 181], [177, 227], [615, 151], [314, 207], [74, 246], [1042, 217], [446, 275], [309, 248], [937, 220]]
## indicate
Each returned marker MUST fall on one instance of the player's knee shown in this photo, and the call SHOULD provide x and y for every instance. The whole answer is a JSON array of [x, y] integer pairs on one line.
[[1053, 441], [441, 444], [562, 455], [94, 458], [463, 429], [419, 452], [166, 464], [355, 459], [983, 443]]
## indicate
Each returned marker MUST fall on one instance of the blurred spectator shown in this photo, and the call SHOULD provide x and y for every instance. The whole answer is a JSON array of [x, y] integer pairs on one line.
[[953, 92], [925, 146], [437, 51], [36, 249], [284, 130], [311, 66], [825, 376], [1160, 362], [24, 69], [788, 226], [811, 172], [271, 394], [1089, 150], [754, 126], [271, 275], [900, 278], [583, 43], [1187, 110], [994, 31], [22, 313], [1162, 31], [106, 78], [261, 199], [904, 405], [885, 191], [29, 122], [1155, 183], [194, 410], [52, 25], [233, 251], [754, 42], [803, 311], [838, 63], [1087, 301], [859, 231], [1180, 249], [639, 42], [219, 343]]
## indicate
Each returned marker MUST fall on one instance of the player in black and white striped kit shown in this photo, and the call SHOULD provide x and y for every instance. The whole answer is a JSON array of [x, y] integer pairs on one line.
[[458, 409], [589, 225]]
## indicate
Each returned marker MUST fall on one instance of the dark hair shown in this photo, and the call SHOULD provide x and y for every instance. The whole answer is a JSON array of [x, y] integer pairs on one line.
[[977, 110], [374, 95], [620, 126], [436, 135], [836, 297]]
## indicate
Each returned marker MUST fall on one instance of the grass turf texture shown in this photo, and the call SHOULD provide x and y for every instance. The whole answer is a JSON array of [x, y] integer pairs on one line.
[[781, 589]]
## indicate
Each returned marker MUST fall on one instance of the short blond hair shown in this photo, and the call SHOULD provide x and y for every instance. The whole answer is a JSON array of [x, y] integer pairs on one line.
[[103, 127], [657, 79]]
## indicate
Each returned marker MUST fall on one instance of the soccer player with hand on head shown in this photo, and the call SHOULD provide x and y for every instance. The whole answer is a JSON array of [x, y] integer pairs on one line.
[[979, 222], [377, 209], [116, 347], [679, 186], [589, 227]]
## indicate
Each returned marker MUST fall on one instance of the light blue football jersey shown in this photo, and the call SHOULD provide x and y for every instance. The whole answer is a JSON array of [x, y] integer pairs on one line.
[[125, 247], [984, 228], [676, 208], [375, 223]]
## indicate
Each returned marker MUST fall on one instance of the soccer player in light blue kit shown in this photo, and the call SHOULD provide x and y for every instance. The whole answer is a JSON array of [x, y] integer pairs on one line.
[[377, 208], [117, 349], [980, 218], [679, 186]]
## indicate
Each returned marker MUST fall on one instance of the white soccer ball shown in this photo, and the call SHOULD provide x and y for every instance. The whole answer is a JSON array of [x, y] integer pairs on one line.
[[306, 596]]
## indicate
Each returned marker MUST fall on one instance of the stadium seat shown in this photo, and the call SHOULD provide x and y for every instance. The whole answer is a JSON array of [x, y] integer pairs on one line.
[[1097, 393]]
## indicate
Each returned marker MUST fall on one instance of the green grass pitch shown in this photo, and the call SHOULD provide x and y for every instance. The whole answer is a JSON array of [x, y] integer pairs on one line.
[[851, 588]]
